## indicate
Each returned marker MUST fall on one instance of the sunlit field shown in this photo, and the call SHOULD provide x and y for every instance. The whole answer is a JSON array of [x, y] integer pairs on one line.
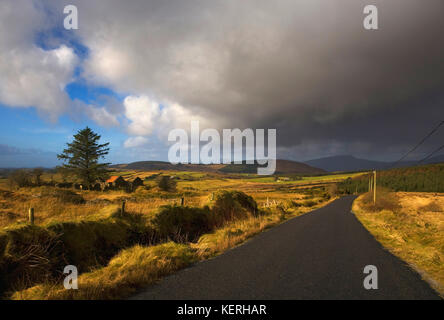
[[195, 187], [410, 225], [204, 215]]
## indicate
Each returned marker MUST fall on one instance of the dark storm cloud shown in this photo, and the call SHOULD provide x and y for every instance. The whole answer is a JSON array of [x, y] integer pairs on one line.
[[307, 68]]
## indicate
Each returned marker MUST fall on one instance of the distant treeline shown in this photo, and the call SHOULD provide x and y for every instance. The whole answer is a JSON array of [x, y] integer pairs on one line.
[[428, 178]]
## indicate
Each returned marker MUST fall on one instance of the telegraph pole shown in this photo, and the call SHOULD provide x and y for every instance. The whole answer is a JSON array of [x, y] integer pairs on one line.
[[374, 187]]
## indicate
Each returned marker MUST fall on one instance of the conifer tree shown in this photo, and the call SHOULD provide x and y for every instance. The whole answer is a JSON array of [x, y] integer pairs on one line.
[[81, 157]]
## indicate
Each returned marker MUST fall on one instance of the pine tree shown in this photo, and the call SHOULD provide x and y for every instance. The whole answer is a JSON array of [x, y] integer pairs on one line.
[[82, 156]]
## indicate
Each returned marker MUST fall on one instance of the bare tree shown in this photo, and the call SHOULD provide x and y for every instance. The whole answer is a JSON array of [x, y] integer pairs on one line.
[[20, 178], [37, 173]]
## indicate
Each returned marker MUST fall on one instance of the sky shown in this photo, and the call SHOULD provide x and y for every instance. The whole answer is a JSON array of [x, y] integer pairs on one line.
[[135, 70]]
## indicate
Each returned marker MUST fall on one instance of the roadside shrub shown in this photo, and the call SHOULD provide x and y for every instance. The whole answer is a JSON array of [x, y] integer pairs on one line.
[[182, 224], [230, 205]]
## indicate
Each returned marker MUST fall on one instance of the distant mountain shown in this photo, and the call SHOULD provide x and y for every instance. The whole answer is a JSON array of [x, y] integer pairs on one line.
[[282, 167], [346, 163], [163, 165], [289, 166], [351, 163], [436, 159]]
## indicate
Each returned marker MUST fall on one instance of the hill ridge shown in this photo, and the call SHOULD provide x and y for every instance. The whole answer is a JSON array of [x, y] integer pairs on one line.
[[282, 167]]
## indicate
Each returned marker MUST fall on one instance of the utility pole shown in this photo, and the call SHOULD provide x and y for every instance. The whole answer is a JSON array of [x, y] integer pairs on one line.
[[374, 187]]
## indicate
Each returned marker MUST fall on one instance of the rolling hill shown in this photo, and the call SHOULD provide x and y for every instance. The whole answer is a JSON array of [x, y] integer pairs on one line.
[[282, 167]]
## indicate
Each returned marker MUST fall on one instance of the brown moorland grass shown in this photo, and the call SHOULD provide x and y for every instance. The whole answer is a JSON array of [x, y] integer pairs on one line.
[[277, 201], [140, 266], [196, 188], [411, 226]]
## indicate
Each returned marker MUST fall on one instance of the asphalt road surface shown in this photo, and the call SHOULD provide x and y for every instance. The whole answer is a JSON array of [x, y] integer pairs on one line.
[[320, 255]]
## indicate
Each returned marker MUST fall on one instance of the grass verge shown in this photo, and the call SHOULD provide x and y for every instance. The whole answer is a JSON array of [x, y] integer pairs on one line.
[[409, 229]]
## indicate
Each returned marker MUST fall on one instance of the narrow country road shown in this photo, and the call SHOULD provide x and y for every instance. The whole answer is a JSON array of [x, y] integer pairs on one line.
[[320, 255]]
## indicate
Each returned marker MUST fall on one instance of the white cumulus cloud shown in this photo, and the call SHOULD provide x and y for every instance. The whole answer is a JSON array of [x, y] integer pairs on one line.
[[30, 75], [147, 117], [142, 113], [102, 117], [133, 142]]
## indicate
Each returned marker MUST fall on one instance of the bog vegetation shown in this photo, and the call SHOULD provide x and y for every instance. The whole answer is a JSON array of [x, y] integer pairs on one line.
[[197, 216]]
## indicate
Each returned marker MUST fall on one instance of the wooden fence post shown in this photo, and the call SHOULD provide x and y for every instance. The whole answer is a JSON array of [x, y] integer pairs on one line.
[[122, 211], [31, 216]]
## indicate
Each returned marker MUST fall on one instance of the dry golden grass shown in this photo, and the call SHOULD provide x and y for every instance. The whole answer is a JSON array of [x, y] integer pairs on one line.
[[139, 266], [413, 230], [14, 207], [146, 264], [131, 269], [14, 204]]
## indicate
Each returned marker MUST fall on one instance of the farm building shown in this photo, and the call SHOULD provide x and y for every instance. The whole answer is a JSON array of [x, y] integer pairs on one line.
[[116, 182], [137, 182]]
